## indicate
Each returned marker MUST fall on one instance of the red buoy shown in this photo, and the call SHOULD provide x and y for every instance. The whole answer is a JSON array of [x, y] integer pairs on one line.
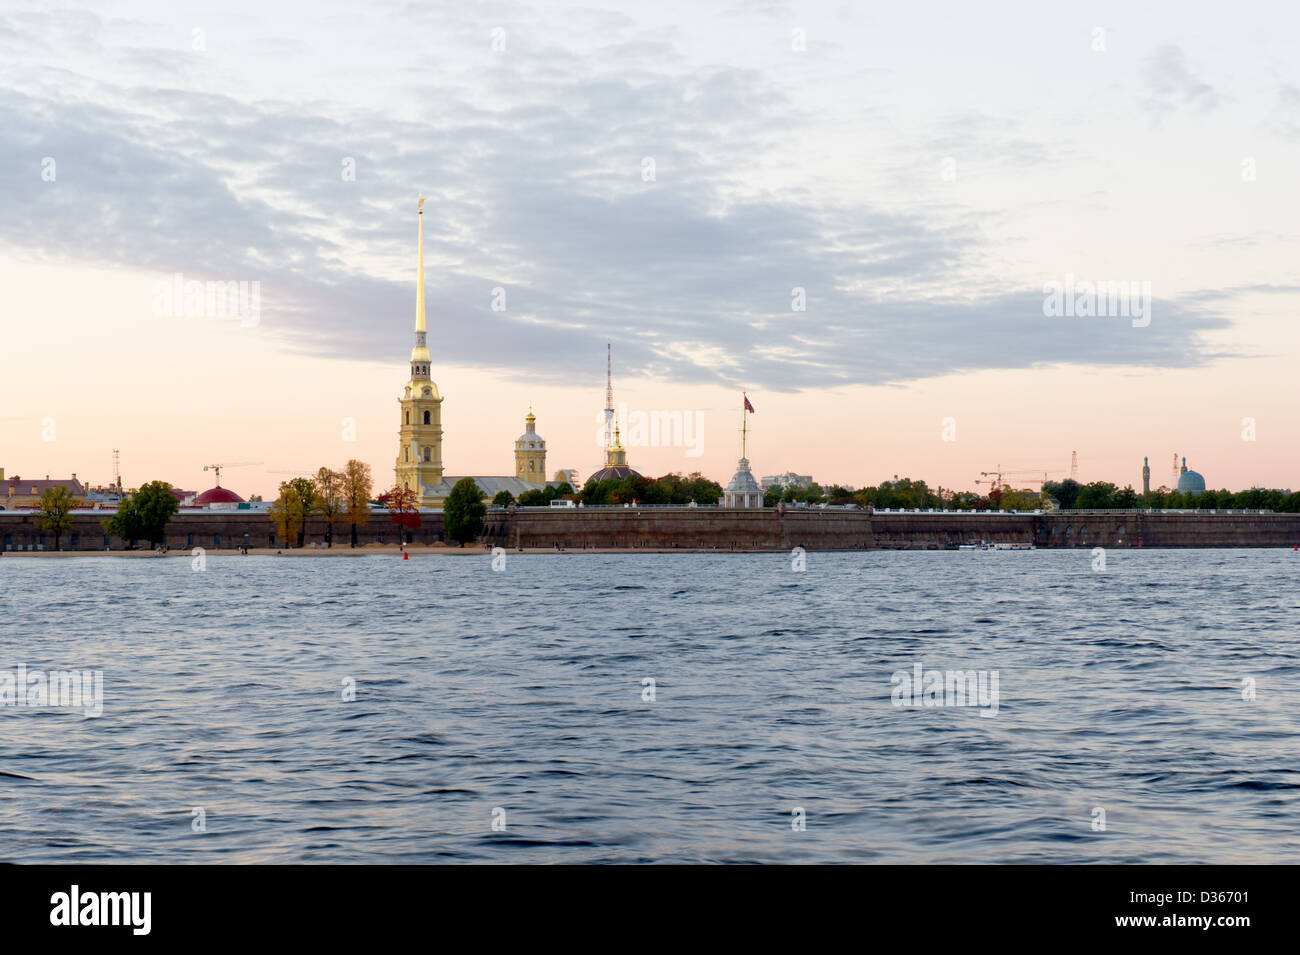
[[405, 556]]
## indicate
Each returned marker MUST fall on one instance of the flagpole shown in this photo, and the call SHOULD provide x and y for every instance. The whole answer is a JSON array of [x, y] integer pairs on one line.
[[744, 428]]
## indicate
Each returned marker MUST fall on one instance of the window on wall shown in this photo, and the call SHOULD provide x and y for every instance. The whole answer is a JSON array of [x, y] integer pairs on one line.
[[408, 417], [189, 540], [426, 455], [406, 454], [426, 417]]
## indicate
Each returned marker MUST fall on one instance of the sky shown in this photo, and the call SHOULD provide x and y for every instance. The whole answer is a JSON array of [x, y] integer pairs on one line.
[[849, 212]]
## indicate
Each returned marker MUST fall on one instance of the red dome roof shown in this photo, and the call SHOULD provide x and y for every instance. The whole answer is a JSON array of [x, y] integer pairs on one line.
[[218, 495]]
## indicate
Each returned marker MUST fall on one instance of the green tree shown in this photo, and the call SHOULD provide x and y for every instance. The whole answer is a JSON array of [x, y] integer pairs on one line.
[[534, 498], [1095, 495], [305, 498], [54, 513], [463, 511], [1065, 492], [1021, 499], [503, 499], [145, 514], [701, 490]]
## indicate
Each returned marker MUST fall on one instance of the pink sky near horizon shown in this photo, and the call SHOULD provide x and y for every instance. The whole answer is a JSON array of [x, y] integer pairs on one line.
[[221, 393]]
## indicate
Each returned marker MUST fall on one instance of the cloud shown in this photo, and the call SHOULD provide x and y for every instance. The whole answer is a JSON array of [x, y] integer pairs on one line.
[[534, 165], [1284, 119], [1170, 85]]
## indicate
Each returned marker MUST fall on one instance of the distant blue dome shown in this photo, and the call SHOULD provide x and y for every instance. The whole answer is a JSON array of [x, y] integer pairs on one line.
[[1191, 483]]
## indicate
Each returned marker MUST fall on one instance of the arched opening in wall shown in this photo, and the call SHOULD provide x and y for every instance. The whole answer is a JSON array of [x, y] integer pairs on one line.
[[426, 455], [426, 417], [408, 417]]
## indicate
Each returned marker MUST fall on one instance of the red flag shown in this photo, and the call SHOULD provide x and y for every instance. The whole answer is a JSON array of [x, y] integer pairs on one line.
[[748, 406]]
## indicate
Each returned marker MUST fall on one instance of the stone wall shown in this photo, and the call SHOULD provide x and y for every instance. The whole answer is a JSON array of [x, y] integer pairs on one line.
[[812, 529], [211, 530], [715, 529]]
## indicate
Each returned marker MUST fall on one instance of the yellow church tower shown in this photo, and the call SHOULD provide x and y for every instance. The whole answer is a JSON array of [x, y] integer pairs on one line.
[[530, 453], [419, 454]]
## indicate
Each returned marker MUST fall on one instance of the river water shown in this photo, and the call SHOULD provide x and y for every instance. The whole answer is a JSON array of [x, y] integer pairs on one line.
[[1144, 712]]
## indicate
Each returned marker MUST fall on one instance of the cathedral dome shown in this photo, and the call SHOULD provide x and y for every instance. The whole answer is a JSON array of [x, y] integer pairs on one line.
[[743, 479], [616, 472], [1190, 482], [616, 466], [218, 495]]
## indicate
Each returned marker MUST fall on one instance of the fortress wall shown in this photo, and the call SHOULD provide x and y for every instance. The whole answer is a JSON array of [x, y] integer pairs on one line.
[[720, 529], [211, 530], [766, 529]]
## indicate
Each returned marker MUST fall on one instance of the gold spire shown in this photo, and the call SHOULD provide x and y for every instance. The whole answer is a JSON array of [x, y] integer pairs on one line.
[[616, 454], [419, 283], [420, 353]]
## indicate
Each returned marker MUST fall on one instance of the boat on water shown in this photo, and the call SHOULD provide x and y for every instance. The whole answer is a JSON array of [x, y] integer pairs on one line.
[[986, 545]]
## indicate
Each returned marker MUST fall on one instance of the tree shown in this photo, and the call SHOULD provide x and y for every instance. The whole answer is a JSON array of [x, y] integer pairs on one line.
[[55, 513], [463, 511], [145, 514], [1095, 496], [1021, 500], [287, 513], [306, 490], [329, 500], [503, 499], [357, 485], [404, 507], [1066, 492], [700, 489]]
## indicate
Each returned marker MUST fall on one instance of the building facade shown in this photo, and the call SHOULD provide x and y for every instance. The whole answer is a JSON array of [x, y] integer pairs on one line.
[[788, 479]]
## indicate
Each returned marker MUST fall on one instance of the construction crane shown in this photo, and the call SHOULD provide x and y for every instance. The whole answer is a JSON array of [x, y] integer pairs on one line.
[[219, 467], [1023, 473]]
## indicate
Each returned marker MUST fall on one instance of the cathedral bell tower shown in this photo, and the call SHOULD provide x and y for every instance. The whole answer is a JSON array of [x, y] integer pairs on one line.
[[530, 453], [419, 453]]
